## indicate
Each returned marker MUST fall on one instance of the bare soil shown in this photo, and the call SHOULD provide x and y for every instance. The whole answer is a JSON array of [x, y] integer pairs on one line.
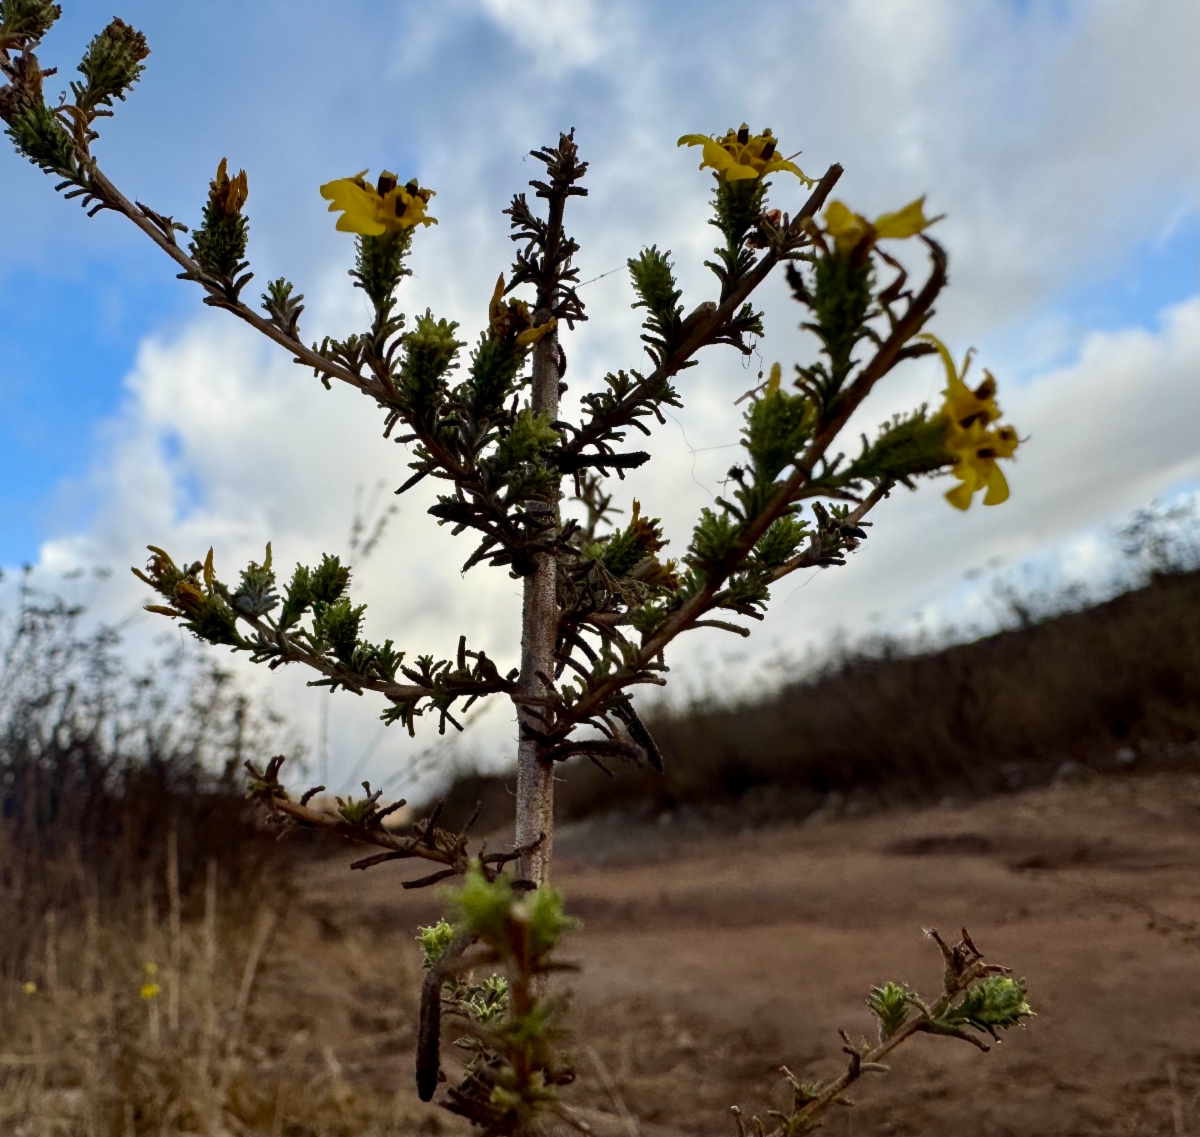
[[710, 960]]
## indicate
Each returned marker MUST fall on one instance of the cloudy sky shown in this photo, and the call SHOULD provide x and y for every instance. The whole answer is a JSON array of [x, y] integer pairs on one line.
[[1059, 138]]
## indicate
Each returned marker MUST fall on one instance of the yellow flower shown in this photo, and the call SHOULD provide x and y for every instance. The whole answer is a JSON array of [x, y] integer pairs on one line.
[[740, 155], [963, 405], [514, 316], [373, 210], [971, 441], [848, 229], [29, 987], [227, 194], [150, 989]]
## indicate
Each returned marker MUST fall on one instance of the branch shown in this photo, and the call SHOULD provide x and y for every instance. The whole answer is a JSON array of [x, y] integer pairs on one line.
[[965, 967], [144, 220], [966, 974], [812, 556], [918, 311], [362, 821]]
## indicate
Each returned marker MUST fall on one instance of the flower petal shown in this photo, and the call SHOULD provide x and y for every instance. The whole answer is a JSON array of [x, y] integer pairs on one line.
[[736, 172], [790, 167], [716, 156], [535, 335], [952, 379], [960, 496], [839, 218], [906, 222], [997, 487]]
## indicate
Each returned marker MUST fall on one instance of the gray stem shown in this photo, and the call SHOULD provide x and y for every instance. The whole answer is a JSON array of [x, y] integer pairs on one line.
[[539, 630]]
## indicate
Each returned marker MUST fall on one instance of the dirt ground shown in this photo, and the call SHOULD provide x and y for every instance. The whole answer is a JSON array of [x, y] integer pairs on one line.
[[708, 961]]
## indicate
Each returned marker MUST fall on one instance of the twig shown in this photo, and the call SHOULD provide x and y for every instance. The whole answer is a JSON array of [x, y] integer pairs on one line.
[[266, 924], [614, 1094], [175, 930]]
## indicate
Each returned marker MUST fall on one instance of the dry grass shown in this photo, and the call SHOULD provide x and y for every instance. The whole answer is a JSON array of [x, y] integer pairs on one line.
[[225, 1045]]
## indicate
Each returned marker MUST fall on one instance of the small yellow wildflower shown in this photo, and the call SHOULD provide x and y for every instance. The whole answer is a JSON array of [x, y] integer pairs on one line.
[[849, 229], [514, 316], [740, 155], [970, 439], [29, 987], [150, 989], [228, 194], [373, 210]]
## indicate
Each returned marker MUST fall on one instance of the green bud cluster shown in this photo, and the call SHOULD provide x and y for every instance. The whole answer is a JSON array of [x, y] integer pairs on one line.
[[654, 282], [24, 22], [510, 1029], [110, 66], [996, 1003]]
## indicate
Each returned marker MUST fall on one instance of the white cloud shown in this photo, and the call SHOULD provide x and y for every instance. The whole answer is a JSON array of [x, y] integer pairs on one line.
[[560, 34]]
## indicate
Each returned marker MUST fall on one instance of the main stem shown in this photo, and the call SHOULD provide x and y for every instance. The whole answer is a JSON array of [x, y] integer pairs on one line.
[[539, 630]]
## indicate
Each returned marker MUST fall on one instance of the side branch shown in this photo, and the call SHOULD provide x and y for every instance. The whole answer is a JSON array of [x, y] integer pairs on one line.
[[706, 327], [813, 555], [705, 600], [887, 354], [362, 821], [113, 198]]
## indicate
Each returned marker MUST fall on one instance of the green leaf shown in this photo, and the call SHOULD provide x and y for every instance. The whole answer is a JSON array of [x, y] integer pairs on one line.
[[996, 1002], [548, 923], [629, 547], [379, 266], [890, 1005], [531, 437], [298, 599], [485, 907], [777, 427], [256, 595], [430, 351], [219, 241], [434, 940], [24, 22], [492, 374], [328, 580], [38, 135], [111, 65], [779, 543], [712, 540], [841, 300], [907, 446], [654, 282], [338, 625]]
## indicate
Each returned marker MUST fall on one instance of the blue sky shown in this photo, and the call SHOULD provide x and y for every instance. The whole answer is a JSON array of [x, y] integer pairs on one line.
[[1060, 139]]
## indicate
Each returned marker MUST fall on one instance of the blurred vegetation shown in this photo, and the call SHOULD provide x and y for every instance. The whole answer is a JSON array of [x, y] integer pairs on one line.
[[141, 895], [99, 762]]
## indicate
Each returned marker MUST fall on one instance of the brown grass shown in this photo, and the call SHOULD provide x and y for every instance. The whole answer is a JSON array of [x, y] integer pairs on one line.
[[227, 1045]]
